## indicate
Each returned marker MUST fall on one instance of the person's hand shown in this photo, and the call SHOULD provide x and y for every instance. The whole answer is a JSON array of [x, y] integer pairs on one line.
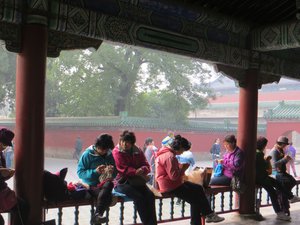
[[110, 168], [268, 158], [100, 169], [139, 171], [185, 166], [287, 157], [220, 161]]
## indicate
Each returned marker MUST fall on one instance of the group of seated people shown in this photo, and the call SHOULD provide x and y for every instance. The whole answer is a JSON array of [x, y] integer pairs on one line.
[[123, 168], [271, 172]]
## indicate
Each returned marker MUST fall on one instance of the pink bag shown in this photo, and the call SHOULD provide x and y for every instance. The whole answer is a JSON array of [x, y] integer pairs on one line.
[[8, 199]]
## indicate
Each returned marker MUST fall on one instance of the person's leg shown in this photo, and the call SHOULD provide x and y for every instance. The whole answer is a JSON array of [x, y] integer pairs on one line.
[[194, 194], [288, 165], [283, 185], [1, 220], [104, 197], [273, 196], [293, 168], [222, 180], [143, 199]]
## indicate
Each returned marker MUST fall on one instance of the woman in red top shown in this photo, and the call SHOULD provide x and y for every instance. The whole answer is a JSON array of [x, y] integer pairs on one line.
[[169, 176], [131, 162]]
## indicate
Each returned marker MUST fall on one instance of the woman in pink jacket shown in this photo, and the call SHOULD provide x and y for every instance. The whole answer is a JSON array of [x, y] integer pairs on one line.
[[169, 177], [131, 162]]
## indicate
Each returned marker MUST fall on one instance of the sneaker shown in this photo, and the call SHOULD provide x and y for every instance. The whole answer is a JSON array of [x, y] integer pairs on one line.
[[295, 199], [282, 216], [214, 218], [98, 219]]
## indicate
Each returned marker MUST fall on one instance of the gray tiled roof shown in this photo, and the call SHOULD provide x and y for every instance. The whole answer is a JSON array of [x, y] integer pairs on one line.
[[283, 111], [140, 123]]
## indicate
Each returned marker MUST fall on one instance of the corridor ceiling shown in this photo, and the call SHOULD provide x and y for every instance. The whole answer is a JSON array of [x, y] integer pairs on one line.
[[235, 35]]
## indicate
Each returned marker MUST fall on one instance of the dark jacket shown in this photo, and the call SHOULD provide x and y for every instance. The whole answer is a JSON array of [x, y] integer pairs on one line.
[[261, 167]]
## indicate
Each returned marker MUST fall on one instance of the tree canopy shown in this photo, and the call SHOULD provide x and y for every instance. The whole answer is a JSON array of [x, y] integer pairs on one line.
[[117, 78]]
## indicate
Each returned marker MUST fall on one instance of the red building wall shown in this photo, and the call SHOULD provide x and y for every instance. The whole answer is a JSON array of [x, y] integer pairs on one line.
[[59, 142], [275, 129]]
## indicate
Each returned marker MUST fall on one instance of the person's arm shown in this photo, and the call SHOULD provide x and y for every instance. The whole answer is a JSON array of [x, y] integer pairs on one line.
[[192, 162], [238, 162], [276, 161], [173, 169], [149, 154], [111, 161], [84, 171], [144, 164]]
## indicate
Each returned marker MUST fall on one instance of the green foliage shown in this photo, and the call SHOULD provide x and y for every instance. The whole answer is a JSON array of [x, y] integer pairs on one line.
[[113, 79], [7, 79], [116, 78]]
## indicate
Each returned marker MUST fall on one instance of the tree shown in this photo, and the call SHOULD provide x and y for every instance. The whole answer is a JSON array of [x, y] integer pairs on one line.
[[125, 78], [7, 79]]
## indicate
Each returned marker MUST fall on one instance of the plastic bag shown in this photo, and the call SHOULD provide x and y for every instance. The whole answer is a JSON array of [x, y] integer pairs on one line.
[[218, 170]]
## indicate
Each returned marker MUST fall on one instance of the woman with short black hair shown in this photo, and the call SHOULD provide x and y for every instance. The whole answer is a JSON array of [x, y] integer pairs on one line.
[[232, 162], [132, 166], [96, 167]]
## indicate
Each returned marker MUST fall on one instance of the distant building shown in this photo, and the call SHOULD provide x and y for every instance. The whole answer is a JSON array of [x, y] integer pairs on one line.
[[227, 98]]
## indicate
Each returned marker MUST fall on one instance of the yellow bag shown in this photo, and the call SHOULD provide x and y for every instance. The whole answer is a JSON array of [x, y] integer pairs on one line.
[[200, 176]]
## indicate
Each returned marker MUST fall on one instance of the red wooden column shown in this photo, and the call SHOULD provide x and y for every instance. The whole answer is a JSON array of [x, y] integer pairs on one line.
[[247, 134], [29, 141]]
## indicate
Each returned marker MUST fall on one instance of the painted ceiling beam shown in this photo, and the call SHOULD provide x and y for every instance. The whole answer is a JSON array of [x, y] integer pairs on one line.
[[277, 37], [73, 27]]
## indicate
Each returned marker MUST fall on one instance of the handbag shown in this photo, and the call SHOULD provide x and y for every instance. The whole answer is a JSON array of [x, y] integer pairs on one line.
[[237, 185], [8, 199]]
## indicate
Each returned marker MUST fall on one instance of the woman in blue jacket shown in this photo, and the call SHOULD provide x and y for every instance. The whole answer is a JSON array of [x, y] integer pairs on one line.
[[96, 168]]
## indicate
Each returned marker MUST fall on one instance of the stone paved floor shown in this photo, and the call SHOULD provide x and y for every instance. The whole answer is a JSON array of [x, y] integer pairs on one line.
[[267, 212]]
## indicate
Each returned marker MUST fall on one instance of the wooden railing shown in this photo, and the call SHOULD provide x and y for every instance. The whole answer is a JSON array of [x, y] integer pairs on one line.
[[221, 198]]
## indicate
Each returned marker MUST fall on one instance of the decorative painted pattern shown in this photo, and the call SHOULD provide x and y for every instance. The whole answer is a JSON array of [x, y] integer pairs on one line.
[[277, 37], [41, 5], [86, 23], [152, 24], [11, 11]]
